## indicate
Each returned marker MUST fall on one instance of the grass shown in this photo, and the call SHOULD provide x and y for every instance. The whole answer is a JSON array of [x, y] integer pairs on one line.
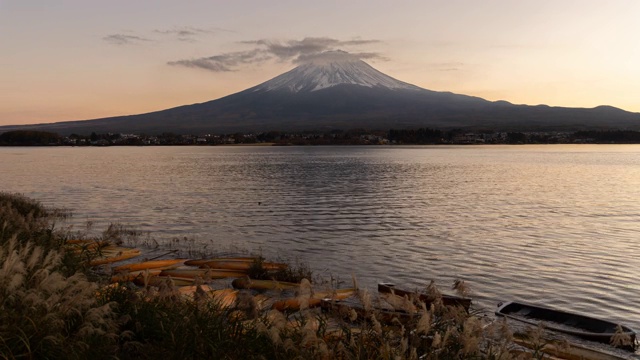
[[48, 307], [27, 220], [53, 306]]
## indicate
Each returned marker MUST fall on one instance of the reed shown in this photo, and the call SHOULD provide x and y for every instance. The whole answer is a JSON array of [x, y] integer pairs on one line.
[[45, 314]]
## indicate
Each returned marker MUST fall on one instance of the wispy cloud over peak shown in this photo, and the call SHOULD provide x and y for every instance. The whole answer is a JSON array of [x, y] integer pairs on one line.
[[337, 55], [224, 62], [294, 51], [188, 33]]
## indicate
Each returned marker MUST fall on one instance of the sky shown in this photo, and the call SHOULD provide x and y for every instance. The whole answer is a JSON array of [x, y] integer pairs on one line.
[[81, 59]]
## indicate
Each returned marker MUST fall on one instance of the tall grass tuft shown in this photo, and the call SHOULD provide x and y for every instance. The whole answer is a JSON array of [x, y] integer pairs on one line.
[[44, 314], [28, 220]]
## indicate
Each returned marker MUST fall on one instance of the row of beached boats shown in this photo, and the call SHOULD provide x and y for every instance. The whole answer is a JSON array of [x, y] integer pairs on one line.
[[186, 273]]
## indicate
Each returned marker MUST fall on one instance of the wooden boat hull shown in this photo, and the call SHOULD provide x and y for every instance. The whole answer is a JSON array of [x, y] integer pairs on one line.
[[447, 300], [202, 273], [241, 265], [247, 283], [120, 256], [154, 264], [200, 262], [581, 326]]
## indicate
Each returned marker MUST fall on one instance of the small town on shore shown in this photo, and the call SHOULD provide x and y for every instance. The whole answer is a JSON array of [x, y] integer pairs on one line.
[[422, 136]]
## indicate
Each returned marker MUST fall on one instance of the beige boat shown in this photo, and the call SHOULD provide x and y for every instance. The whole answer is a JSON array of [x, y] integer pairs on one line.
[[241, 265], [153, 264], [247, 283], [115, 257], [112, 249], [203, 273], [200, 262]]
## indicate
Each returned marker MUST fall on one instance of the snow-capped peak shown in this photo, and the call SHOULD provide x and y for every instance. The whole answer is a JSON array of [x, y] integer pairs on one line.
[[329, 69]]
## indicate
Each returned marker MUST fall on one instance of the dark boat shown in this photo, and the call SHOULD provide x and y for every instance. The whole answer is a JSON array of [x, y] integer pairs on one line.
[[448, 300], [581, 326]]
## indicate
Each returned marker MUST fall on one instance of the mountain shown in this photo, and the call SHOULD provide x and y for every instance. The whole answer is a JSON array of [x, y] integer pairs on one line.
[[335, 90]]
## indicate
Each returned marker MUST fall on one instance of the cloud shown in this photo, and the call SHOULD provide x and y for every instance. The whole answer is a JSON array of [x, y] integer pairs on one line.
[[333, 55], [295, 51], [225, 62], [122, 39], [188, 33]]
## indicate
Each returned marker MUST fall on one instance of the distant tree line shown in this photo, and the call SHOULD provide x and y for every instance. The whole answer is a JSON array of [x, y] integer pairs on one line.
[[620, 136], [421, 136], [29, 138]]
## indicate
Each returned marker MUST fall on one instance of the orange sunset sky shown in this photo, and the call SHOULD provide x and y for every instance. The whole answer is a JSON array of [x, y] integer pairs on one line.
[[74, 60]]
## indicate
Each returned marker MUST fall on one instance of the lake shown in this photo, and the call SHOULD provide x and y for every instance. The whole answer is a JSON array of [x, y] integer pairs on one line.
[[556, 225]]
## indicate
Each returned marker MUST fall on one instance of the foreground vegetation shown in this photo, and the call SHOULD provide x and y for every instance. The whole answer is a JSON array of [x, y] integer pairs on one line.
[[53, 305]]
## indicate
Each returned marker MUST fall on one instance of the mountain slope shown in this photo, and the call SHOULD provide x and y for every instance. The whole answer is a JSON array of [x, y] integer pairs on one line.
[[337, 91]]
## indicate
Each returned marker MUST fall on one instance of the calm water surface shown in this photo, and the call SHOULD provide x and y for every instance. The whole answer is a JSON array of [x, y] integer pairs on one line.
[[552, 225]]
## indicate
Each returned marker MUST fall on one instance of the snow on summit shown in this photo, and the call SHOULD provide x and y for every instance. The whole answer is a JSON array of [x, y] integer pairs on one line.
[[329, 69]]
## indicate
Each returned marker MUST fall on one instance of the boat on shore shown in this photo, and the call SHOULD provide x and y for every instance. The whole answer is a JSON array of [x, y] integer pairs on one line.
[[115, 256], [200, 262], [248, 283], [447, 300], [240, 265], [582, 326], [202, 273], [153, 264]]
